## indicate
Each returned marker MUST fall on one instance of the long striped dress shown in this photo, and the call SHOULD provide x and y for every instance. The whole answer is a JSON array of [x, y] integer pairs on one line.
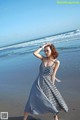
[[44, 96]]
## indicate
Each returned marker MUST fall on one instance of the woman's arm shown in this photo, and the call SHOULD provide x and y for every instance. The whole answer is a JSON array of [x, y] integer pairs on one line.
[[36, 53], [57, 64]]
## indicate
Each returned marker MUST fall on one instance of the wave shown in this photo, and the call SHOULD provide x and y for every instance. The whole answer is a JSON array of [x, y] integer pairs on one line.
[[30, 46]]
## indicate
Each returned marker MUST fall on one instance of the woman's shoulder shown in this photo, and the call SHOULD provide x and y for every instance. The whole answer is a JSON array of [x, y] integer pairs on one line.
[[57, 61]]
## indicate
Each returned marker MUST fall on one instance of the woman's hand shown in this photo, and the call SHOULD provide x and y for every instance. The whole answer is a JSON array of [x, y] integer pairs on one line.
[[45, 44], [53, 79]]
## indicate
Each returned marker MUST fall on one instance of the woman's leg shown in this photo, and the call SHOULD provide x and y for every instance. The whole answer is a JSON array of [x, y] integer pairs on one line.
[[25, 115]]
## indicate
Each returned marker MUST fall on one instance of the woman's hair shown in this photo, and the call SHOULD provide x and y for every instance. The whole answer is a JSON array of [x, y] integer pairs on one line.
[[54, 52]]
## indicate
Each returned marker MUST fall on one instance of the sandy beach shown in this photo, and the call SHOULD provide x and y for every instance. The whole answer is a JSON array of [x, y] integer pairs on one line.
[[69, 73]]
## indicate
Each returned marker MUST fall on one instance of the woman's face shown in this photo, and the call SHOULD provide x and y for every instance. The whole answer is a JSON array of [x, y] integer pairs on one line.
[[47, 51]]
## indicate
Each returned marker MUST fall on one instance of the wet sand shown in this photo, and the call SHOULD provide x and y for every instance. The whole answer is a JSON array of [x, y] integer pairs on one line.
[[69, 73]]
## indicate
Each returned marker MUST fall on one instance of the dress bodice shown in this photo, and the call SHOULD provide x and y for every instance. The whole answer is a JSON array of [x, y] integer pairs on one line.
[[46, 70]]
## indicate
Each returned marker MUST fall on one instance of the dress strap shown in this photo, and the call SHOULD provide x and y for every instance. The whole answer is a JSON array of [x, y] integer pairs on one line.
[[54, 62]]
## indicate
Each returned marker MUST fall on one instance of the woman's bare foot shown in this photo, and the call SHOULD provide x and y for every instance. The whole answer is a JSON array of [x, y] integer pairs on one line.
[[56, 117]]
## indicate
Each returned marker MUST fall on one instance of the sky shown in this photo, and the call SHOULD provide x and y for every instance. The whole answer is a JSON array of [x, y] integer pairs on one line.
[[22, 20]]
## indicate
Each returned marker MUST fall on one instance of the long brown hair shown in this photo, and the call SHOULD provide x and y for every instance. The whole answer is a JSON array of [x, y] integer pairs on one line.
[[54, 52]]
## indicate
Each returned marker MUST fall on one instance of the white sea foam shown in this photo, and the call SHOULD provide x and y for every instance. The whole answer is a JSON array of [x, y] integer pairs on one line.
[[32, 44]]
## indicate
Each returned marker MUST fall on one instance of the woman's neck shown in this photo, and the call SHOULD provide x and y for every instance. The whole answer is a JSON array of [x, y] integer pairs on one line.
[[50, 58]]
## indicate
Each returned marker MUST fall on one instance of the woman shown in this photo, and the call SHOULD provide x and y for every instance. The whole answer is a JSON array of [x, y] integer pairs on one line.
[[44, 96]]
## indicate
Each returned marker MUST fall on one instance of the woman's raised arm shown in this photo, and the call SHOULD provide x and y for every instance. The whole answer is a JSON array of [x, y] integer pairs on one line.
[[37, 54]]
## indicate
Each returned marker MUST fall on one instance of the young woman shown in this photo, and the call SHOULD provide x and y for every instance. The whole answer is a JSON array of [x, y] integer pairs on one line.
[[44, 96]]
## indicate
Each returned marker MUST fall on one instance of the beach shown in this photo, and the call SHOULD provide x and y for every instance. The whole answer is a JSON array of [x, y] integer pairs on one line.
[[69, 73], [25, 26], [18, 74]]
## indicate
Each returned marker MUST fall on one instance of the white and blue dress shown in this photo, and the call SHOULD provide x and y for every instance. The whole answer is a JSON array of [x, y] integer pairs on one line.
[[44, 96]]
